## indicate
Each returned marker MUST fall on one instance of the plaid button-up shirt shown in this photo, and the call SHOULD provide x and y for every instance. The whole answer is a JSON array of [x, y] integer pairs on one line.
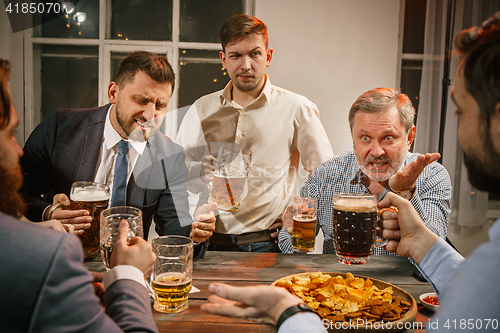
[[342, 174]]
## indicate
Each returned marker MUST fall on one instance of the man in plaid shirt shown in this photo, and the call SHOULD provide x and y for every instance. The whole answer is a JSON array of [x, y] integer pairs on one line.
[[382, 129]]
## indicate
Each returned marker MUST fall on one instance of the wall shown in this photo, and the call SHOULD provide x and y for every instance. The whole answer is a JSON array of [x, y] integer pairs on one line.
[[332, 51]]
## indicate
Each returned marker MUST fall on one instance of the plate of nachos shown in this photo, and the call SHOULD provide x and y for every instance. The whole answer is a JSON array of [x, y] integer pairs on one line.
[[347, 302]]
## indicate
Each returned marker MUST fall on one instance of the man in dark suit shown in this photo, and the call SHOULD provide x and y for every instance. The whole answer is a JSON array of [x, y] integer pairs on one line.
[[81, 145], [44, 286]]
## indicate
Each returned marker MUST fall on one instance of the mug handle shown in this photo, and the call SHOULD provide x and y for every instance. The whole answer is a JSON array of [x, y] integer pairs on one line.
[[151, 292], [379, 242]]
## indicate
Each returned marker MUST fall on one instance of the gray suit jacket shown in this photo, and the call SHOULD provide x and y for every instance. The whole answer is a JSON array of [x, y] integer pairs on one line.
[[65, 148], [45, 287]]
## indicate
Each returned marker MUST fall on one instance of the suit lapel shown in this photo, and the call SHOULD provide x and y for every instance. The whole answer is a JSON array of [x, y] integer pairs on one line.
[[94, 132]]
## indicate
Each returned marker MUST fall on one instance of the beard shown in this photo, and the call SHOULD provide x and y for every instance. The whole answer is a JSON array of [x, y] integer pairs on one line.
[[484, 175], [249, 86], [132, 130], [392, 165], [11, 201]]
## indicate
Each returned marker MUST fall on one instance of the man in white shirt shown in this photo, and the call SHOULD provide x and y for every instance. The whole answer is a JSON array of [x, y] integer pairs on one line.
[[279, 127], [82, 145]]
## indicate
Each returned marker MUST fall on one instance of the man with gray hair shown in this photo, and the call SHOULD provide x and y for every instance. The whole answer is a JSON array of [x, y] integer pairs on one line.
[[382, 130]]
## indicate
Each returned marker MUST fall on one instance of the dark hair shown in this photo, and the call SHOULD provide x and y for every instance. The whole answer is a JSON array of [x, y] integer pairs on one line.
[[480, 51], [239, 26], [4, 93], [382, 99], [155, 66]]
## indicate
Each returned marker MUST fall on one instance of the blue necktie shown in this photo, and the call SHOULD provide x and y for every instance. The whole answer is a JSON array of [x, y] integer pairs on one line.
[[119, 196]]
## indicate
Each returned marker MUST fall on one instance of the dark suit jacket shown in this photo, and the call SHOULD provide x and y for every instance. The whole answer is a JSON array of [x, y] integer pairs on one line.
[[45, 287], [65, 147]]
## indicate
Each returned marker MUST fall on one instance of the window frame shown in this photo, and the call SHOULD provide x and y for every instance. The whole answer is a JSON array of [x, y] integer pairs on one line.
[[106, 45]]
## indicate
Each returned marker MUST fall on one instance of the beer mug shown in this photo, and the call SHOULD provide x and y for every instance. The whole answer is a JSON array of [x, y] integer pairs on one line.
[[230, 175], [110, 221], [172, 273], [93, 197], [305, 212], [354, 227]]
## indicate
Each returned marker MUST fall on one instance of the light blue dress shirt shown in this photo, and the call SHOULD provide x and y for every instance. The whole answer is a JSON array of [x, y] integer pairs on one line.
[[469, 289]]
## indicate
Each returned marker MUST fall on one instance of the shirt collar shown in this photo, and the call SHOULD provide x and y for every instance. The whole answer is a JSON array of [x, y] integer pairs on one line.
[[225, 95], [111, 136]]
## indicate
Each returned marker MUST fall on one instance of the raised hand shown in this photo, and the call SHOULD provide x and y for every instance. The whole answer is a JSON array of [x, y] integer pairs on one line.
[[406, 178]]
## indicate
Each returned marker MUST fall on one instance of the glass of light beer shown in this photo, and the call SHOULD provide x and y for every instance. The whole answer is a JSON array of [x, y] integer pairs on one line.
[[305, 212], [354, 229], [110, 221], [230, 175], [93, 197], [172, 273]]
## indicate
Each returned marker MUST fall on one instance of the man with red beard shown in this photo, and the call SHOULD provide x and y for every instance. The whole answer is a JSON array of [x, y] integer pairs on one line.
[[382, 130], [44, 286], [82, 145]]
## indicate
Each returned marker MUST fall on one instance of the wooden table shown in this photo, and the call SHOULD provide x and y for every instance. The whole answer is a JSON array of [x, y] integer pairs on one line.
[[243, 269]]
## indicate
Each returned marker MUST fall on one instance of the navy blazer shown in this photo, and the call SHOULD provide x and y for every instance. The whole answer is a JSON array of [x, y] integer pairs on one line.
[[45, 287], [65, 148]]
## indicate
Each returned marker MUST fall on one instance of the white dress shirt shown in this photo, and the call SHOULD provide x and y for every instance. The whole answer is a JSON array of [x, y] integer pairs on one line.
[[279, 127], [105, 168]]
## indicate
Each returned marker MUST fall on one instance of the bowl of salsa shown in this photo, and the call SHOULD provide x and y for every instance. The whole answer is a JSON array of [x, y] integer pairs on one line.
[[430, 301]]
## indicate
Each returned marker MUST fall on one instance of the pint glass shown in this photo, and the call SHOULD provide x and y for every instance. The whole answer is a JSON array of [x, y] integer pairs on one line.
[[110, 221], [172, 273], [230, 175], [304, 224], [354, 227], [93, 197]]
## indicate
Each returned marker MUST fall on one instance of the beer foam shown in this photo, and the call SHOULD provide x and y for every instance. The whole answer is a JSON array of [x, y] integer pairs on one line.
[[304, 218], [355, 205], [171, 279], [81, 195]]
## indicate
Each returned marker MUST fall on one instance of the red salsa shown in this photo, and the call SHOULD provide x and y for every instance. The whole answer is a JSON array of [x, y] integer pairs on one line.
[[431, 300]]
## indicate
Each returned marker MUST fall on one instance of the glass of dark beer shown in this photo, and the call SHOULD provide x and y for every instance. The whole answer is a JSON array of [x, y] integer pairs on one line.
[[230, 175], [110, 221], [354, 227], [305, 212], [93, 197]]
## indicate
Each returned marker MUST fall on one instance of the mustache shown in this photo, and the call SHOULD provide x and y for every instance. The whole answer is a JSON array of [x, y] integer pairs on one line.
[[143, 120], [372, 159]]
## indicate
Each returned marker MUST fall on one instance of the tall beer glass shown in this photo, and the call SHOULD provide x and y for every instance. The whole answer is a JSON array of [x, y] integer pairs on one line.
[[93, 197], [305, 212], [354, 227], [172, 274], [110, 221], [230, 175]]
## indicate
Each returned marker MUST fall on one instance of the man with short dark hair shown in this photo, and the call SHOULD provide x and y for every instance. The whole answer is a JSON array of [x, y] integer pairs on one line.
[[83, 145], [381, 122], [279, 127], [44, 286]]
